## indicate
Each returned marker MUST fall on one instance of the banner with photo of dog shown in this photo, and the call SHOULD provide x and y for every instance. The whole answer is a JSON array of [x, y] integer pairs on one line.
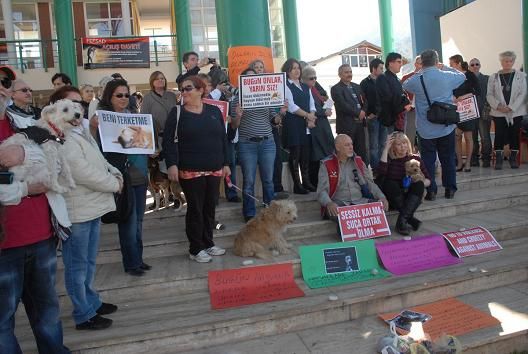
[[126, 133], [101, 53]]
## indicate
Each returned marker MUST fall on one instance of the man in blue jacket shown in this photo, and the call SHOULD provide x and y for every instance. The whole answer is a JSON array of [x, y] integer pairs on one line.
[[440, 81]]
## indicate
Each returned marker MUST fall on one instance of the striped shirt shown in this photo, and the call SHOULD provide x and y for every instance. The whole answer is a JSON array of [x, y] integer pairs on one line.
[[254, 122]]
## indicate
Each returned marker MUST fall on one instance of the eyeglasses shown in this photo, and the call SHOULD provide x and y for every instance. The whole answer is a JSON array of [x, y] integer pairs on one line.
[[312, 78], [25, 90], [475, 64], [188, 88], [6, 82], [121, 95]]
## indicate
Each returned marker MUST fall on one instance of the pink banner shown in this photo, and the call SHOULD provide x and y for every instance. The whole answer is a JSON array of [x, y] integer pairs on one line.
[[416, 255]]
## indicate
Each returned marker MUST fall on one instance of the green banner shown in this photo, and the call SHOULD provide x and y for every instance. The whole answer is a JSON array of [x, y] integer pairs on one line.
[[333, 264]]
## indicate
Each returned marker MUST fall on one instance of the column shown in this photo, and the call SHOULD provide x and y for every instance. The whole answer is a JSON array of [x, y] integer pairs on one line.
[[291, 30], [241, 23], [65, 42], [183, 28], [525, 33], [385, 19], [9, 32], [125, 15], [425, 25]]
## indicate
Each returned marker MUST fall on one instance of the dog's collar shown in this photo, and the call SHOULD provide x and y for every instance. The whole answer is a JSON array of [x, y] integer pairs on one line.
[[58, 132]]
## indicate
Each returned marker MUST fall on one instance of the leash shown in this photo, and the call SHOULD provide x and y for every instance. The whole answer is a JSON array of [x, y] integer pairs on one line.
[[230, 184]]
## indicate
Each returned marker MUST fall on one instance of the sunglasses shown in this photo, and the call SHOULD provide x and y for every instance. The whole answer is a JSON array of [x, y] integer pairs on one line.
[[77, 101], [121, 95], [475, 64], [25, 90], [6, 82], [312, 78], [188, 88]]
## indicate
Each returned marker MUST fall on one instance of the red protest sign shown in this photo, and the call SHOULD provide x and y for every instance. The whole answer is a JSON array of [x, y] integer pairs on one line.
[[472, 241], [362, 221], [223, 106], [253, 285]]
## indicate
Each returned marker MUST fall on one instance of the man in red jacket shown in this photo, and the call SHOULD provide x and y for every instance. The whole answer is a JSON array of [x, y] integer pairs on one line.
[[28, 258]]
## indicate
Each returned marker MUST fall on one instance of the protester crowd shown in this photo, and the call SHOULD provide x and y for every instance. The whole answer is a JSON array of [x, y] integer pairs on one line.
[[196, 149]]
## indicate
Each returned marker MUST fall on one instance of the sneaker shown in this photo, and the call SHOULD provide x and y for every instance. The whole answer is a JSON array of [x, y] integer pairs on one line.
[[95, 323], [106, 309], [201, 257], [215, 251]]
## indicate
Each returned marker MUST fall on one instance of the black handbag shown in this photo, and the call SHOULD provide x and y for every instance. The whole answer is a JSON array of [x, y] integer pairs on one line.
[[440, 112], [123, 203]]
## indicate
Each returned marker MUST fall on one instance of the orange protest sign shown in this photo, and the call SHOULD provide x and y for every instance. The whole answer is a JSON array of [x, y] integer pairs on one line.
[[253, 285], [239, 58], [450, 316]]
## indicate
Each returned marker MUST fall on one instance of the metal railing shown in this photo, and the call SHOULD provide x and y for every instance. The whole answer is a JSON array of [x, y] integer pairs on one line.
[[43, 53]]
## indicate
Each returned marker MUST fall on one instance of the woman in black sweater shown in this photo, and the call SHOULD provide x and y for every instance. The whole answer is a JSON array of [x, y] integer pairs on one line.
[[195, 150]]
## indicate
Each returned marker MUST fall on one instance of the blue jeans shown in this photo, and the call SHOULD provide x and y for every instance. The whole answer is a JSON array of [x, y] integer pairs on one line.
[[130, 231], [79, 253], [445, 148], [377, 138], [250, 154], [231, 151], [27, 273]]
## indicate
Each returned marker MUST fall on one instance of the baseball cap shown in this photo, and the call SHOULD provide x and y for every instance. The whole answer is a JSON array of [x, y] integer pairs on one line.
[[8, 71]]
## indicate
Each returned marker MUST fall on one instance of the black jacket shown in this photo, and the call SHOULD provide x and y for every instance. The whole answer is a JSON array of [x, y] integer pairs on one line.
[[347, 106], [181, 78], [392, 98], [368, 86]]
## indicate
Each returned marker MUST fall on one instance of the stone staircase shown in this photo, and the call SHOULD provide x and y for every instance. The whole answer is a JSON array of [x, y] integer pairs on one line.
[[168, 310]]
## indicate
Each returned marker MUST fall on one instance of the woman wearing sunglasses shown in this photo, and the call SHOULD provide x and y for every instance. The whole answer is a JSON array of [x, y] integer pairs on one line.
[[116, 99], [195, 150]]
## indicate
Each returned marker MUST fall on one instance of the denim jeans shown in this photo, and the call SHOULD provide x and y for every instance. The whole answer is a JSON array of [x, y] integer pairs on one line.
[[250, 154], [445, 147], [27, 273], [231, 151], [79, 253], [377, 138], [130, 232]]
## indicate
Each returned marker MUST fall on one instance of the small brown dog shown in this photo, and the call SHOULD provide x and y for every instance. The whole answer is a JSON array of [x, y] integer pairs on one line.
[[412, 169], [266, 230], [160, 186]]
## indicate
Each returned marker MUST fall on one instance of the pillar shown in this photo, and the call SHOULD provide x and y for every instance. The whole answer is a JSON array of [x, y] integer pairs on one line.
[[9, 32], [525, 33], [385, 19], [125, 15], [425, 25], [241, 23], [183, 28], [291, 30], [65, 42]]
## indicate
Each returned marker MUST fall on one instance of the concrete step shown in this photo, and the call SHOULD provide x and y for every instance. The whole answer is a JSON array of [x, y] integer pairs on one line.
[[161, 321], [508, 304]]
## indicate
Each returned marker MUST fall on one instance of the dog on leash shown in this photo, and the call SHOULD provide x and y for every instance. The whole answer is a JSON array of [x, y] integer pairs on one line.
[[161, 187], [50, 131], [265, 231]]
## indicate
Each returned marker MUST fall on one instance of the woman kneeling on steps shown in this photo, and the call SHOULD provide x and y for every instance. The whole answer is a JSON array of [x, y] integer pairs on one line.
[[403, 194]]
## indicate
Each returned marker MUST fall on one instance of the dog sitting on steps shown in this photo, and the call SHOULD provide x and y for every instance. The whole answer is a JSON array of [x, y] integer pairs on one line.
[[265, 231]]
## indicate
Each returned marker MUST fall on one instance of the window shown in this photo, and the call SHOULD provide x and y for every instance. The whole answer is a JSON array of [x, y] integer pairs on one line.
[[277, 28], [358, 58], [26, 26], [203, 28], [105, 19]]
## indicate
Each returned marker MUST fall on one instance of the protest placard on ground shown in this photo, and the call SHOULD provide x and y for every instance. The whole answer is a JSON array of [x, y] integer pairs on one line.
[[362, 221], [116, 53], [416, 255], [340, 263], [450, 316], [471, 242], [222, 105], [264, 90], [239, 58], [127, 133], [252, 285], [468, 109]]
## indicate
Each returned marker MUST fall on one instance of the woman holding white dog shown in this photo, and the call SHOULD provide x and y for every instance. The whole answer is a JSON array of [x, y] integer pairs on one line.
[[96, 181], [403, 194]]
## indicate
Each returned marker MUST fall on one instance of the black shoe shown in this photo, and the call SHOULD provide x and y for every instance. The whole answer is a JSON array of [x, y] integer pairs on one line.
[[145, 266], [415, 223], [299, 190], [95, 323], [281, 195], [106, 309], [234, 199], [402, 227], [309, 187], [475, 163], [431, 196], [136, 272], [247, 218], [486, 163], [449, 193], [176, 204]]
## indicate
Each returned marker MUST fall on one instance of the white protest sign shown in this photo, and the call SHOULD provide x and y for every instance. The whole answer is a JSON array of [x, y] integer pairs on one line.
[[263, 90], [126, 133], [468, 109]]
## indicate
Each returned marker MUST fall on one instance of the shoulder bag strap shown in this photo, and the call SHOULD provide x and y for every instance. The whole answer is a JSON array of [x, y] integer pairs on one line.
[[425, 90], [178, 111]]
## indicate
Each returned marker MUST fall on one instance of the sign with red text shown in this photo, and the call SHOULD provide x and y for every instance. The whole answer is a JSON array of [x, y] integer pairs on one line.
[[471, 242], [362, 221], [101, 53], [223, 106], [252, 285], [264, 90], [468, 109]]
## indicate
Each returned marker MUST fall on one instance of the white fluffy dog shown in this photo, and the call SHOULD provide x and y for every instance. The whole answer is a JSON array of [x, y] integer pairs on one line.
[[56, 122], [266, 230]]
